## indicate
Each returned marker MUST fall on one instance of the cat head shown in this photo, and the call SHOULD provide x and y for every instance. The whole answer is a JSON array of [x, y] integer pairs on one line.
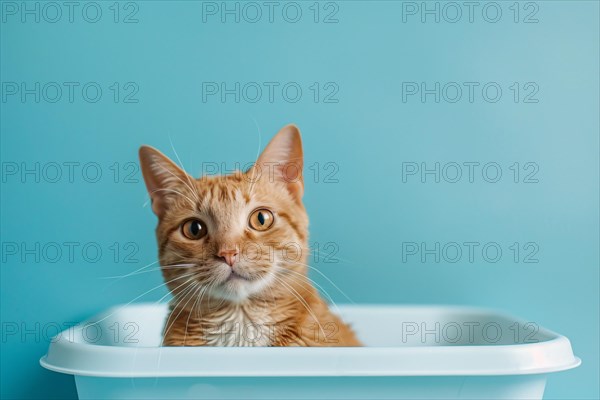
[[231, 237]]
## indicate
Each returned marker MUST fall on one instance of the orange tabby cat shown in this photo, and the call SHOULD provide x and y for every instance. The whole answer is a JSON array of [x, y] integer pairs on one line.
[[233, 252]]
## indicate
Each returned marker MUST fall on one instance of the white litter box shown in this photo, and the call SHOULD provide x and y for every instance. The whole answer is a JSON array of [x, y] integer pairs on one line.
[[412, 352]]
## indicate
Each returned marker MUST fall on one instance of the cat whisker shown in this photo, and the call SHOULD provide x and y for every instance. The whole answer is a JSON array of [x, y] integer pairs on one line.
[[190, 290], [195, 194], [192, 276], [199, 289], [195, 191], [220, 303], [119, 277], [131, 273], [253, 181], [323, 292], [135, 273], [179, 255], [303, 302], [202, 293], [272, 294], [139, 271], [168, 318], [178, 266], [140, 296], [176, 192], [196, 296], [326, 277], [309, 281], [316, 252]]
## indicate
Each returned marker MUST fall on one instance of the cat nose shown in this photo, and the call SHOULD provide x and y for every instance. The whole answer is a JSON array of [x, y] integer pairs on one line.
[[228, 256]]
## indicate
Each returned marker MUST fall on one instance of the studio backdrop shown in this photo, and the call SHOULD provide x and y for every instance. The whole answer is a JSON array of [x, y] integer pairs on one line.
[[451, 153]]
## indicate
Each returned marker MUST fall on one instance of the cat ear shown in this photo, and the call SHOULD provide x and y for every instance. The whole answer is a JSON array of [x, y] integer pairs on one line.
[[162, 176], [282, 160]]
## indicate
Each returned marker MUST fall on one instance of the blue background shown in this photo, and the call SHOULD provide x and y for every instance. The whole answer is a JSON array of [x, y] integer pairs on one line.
[[367, 134]]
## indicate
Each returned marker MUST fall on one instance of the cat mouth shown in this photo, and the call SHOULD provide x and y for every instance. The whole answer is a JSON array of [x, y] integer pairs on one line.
[[234, 276]]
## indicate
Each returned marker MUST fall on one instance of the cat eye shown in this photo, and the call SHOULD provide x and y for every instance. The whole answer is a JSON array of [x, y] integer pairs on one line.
[[261, 219], [194, 229]]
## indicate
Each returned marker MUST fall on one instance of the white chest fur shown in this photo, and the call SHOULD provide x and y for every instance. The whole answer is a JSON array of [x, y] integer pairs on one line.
[[240, 327]]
